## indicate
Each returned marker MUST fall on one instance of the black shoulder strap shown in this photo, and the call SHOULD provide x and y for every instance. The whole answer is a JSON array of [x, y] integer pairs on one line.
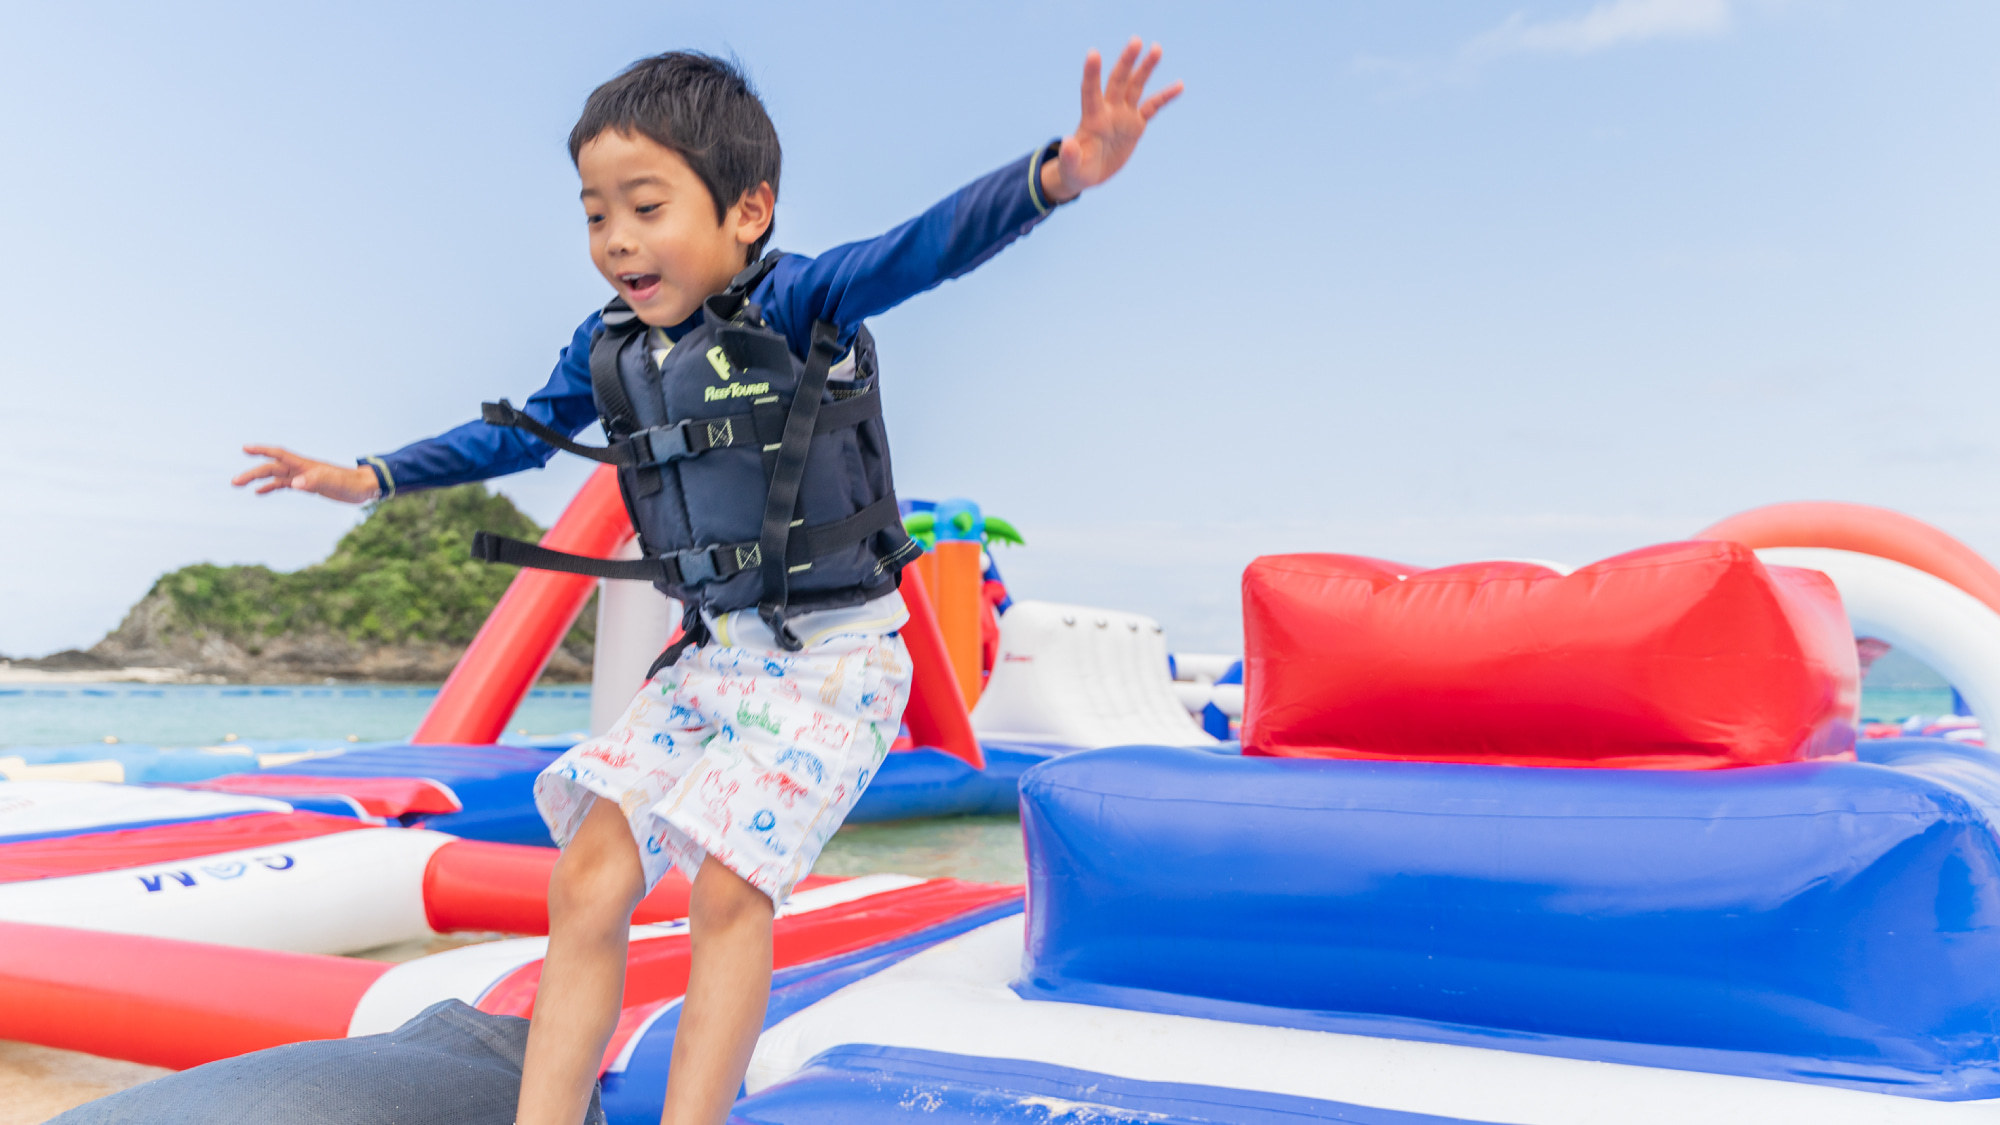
[[620, 325], [754, 274], [726, 304], [788, 470]]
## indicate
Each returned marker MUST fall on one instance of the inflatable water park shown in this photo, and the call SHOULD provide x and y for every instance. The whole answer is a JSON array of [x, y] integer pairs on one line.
[[1498, 841]]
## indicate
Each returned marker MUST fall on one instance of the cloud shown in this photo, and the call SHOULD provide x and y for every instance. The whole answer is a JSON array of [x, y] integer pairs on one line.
[[1610, 24], [1616, 23]]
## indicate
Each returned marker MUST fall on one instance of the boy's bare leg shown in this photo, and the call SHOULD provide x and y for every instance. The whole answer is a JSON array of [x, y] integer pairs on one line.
[[596, 885], [729, 984]]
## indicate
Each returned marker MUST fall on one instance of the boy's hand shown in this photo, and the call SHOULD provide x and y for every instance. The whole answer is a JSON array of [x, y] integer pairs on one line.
[[352, 484], [1113, 120]]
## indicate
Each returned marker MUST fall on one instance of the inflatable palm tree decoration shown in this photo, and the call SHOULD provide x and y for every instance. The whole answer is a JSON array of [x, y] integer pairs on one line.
[[960, 520]]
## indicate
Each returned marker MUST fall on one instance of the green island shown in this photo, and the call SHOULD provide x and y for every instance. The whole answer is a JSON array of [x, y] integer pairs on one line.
[[398, 599]]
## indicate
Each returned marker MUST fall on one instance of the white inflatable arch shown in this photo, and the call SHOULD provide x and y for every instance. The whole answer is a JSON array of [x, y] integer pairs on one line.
[[1927, 617]]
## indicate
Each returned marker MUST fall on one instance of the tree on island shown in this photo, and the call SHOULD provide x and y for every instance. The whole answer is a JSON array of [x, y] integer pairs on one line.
[[399, 598]]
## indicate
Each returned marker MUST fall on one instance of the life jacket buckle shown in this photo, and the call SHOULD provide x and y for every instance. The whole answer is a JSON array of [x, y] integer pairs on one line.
[[774, 616], [697, 565], [662, 445]]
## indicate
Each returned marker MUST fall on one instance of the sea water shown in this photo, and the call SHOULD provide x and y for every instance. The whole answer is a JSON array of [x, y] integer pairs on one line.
[[203, 715]]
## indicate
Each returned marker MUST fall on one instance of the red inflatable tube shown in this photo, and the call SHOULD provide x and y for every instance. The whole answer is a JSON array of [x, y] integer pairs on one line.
[[161, 843], [386, 797], [477, 886], [169, 1003], [538, 608], [658, 969], [1869, 531], [1681, 656]]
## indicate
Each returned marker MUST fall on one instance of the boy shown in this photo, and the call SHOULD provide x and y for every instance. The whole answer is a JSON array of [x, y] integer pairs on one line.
[[737, 761]]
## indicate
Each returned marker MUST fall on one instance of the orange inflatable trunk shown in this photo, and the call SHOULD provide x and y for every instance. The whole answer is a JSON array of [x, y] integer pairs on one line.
[[937, 714], [961, 601]]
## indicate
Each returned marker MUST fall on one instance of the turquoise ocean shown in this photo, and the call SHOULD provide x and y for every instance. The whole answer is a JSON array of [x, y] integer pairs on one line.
[[202, 715], [189, 715]]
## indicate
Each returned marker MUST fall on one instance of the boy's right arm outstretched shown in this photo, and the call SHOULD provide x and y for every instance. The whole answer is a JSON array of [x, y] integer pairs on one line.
[[474, 451], [350, 484]]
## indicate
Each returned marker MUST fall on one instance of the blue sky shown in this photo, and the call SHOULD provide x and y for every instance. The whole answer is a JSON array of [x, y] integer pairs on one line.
[[1433, 282]]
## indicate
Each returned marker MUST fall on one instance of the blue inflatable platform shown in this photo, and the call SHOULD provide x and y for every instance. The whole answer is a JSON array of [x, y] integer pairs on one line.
[[1831, 923]]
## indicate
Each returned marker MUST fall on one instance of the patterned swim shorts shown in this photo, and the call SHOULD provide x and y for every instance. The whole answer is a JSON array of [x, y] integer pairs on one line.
[[751, 755]]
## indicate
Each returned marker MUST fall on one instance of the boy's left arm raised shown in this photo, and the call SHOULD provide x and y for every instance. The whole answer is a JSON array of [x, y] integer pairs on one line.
[[850, 283]]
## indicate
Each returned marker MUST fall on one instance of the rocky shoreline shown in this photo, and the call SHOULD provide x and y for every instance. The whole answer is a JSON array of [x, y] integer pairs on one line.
[[397, 601], [152, 646]]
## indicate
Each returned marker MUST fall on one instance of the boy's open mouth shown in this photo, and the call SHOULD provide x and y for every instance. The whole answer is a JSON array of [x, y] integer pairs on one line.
[[639, 286]]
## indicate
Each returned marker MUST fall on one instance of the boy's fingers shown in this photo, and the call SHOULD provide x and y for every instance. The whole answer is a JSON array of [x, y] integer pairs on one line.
[[272, 486], [274, 452], [1160, 99], [1144, 73], [1121, 73], [268, 468], [1093, 68]]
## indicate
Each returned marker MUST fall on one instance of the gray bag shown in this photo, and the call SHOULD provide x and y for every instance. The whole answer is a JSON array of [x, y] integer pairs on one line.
[[450, 1065]]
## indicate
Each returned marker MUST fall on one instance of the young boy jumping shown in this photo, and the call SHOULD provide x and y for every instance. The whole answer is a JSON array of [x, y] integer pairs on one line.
[[736, 762]]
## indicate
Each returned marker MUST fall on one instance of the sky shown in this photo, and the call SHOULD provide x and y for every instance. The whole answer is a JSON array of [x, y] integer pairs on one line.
[[1431, 282]]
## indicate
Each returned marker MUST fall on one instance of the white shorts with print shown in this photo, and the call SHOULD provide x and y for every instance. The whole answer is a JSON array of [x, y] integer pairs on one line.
[[751, 755]]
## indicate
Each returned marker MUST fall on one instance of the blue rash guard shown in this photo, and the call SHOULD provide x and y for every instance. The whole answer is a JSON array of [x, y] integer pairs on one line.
[[845, 285]]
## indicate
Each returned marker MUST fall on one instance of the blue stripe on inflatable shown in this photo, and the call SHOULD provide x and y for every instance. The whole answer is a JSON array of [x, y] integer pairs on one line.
[[98, 829], [496, 784], [862, 1085], [1954, 765], [1835, 923], [331, 806], [167, 765], [925, 782], [635, 1095]]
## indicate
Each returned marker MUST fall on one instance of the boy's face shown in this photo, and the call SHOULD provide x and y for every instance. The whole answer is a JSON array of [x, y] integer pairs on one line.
[[653, 233]]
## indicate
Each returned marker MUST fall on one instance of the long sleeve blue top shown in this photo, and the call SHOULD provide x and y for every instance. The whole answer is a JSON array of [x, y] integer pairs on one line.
[[845, 285]]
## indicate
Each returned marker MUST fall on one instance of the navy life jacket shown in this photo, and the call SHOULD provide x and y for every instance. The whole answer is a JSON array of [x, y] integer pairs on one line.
[[749, 480]]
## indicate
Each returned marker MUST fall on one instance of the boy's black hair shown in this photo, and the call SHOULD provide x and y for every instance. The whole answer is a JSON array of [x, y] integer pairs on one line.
[[701, 107]]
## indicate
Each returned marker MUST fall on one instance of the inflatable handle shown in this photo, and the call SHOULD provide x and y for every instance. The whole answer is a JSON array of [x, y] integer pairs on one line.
[[533, 616], [1868, 531], [481, 886]]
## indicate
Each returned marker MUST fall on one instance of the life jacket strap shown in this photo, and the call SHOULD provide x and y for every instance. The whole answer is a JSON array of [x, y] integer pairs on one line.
[[504, 413], [694, 634], [620, 325], [788, 471], [697, 565], [678, 441], [682, 568]]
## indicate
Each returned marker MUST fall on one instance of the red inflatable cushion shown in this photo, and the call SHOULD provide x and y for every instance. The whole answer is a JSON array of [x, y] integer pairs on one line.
[[1681, 656]]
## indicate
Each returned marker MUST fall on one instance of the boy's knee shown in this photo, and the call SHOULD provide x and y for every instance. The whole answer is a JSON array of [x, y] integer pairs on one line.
[[598, 876], [724, 899]]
